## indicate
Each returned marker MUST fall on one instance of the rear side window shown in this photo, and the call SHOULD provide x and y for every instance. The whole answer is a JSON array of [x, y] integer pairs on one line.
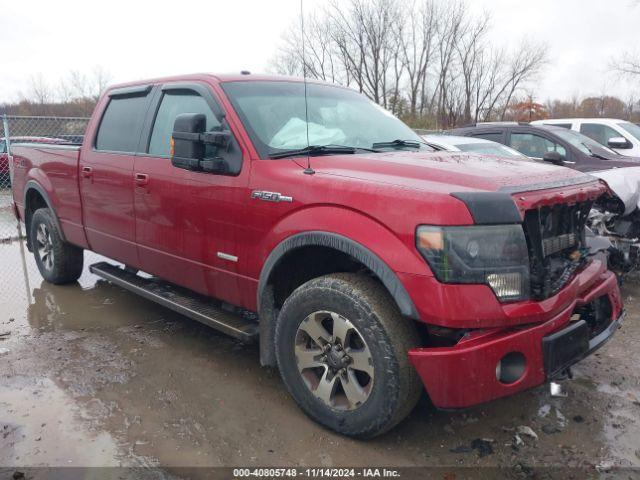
[[493, 136], [563, 125], [175, 102], [121, 124]]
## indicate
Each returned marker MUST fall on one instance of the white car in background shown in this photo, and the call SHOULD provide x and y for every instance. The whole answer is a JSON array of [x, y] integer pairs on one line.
[[453, 143], [619, 135]]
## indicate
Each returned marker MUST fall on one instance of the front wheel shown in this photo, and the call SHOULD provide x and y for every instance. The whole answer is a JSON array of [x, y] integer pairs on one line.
[[342, 346], [59, 262]]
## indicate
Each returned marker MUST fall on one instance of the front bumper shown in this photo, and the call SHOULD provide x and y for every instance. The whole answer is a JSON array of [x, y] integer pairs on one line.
[[465, 374], [571, 344]]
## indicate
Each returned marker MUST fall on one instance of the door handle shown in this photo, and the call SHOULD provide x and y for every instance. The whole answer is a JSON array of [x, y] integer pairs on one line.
[[142, 179], [87, 172]]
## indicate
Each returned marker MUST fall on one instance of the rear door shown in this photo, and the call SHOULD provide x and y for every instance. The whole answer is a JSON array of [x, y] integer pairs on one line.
[[188, 223], [106, 175]]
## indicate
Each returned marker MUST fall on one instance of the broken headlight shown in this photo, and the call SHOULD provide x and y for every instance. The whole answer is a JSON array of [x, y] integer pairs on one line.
[[495, 255]]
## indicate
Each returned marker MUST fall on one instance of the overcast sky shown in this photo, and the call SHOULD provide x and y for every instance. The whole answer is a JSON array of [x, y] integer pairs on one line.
[[137, 39]]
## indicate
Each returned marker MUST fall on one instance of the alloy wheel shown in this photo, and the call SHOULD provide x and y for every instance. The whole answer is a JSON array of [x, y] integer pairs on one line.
[[334, 360], [44, 245]]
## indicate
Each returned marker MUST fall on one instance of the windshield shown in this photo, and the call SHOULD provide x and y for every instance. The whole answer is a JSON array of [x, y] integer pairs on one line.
[[491, 149], [632, 128], [581, 142], [274, 115]]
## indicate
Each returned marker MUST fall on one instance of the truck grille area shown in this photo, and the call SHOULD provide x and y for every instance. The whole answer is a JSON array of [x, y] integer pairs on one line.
[[556, 243]]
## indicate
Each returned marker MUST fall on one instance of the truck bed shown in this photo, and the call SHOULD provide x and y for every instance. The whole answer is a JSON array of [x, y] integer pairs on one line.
[[55, 167]]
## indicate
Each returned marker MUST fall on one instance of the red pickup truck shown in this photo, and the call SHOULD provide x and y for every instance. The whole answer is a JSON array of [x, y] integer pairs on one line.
[[5, 173], [308, 217]]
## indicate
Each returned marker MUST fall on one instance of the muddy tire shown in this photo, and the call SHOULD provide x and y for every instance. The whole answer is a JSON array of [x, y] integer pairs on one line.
[[59, 262], [342, 345]]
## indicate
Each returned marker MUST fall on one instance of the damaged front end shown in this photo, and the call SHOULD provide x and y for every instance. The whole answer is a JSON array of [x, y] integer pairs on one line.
[[622, 234], [556, 239], [616, 217]]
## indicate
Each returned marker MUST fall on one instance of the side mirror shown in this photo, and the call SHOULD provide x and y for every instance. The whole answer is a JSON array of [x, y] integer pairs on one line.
[[189, 141], [554, 157], [619, 142]]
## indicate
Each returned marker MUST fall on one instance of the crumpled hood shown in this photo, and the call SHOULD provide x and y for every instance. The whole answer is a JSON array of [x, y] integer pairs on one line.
[[625, 183], [448, 172]]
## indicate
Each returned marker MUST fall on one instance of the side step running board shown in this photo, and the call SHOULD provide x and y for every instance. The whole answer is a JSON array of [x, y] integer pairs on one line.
[[181, 300]]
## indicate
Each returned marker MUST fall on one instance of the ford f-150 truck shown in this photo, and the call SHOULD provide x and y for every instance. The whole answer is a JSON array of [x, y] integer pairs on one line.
[[306, 217]]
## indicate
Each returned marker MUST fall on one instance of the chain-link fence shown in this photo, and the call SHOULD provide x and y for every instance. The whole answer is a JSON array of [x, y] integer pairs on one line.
[[28, 129]]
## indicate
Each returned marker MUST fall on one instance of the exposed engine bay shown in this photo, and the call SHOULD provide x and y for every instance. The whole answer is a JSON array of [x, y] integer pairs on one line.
[[557, 245]]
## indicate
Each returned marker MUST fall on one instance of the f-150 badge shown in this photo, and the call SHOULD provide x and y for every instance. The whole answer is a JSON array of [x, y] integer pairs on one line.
[[270, 196]]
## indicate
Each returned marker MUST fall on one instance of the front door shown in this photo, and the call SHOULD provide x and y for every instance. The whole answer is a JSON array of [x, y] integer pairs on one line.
[[534, 145], [188, 223], [106, 175]]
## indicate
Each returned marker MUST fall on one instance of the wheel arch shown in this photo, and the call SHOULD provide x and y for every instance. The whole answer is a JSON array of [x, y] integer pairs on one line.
[[330, 246], [35, 196]]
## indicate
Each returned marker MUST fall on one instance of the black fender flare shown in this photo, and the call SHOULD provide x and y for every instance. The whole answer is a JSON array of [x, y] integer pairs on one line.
[[33, 185], [373, 262]]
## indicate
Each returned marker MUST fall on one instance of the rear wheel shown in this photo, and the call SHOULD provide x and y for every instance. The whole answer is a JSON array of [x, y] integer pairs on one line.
[[59, 262], [342, 349]]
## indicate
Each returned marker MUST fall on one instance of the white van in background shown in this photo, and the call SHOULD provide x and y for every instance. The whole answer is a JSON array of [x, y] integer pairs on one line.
[[619, 135]]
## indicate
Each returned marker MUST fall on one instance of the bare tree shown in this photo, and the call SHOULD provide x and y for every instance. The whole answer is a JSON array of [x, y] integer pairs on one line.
[[89, 86], [100, 80], [489, 78], [629, 65], [470, 49], [312, 58], [450, 30], [524, 65], [39, 90], [422, 59], [369, 29], [416, 44]]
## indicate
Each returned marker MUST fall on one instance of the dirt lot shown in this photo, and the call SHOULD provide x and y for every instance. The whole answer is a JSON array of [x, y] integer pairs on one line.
[[91, 375]]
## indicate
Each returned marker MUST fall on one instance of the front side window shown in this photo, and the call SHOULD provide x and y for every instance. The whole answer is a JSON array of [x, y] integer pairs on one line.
[[121, 124], [534, 146], [174, 103], [582, 142], [275, 116], [631, 128], [599, 133]]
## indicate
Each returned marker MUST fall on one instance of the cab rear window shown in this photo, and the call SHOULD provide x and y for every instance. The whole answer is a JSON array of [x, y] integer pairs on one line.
[[121, 124]]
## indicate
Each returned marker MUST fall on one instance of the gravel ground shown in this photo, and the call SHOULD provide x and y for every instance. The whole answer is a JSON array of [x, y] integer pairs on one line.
[[91, 375]]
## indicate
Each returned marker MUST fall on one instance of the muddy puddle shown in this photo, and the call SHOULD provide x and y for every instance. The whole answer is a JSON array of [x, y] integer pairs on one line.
[[91, 375]]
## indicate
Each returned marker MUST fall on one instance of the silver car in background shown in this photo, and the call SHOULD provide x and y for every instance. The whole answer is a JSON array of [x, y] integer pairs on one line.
[[453, 143]]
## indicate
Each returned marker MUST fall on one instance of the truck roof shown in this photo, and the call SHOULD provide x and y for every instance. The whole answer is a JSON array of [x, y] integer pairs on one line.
[[221, 78], [579, 119]]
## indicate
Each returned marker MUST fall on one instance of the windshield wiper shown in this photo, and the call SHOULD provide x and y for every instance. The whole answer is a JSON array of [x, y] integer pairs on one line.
[[593, 154], [315, 150], [397, 144]]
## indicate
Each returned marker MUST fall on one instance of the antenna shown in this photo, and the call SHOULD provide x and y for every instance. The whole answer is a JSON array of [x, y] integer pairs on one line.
[[308, 170]]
